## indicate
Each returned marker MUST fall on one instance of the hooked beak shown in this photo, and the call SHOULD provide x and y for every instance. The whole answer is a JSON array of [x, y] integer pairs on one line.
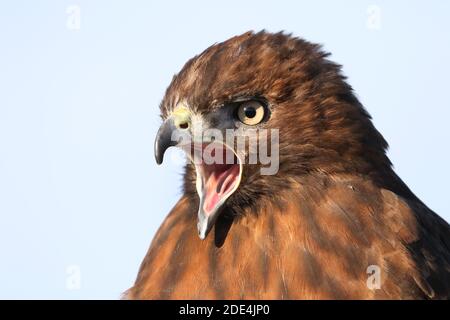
[[164, 139], [216, 181]]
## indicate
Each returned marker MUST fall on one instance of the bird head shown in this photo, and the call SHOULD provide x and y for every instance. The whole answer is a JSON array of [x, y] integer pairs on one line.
[[281, 95]]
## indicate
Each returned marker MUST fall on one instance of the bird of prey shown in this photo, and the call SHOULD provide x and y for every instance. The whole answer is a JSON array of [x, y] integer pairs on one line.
[[333, 222]]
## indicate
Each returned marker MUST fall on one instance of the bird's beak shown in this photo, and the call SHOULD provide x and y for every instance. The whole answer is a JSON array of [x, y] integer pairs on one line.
[[171, 133], [164, 139], [215, 182]]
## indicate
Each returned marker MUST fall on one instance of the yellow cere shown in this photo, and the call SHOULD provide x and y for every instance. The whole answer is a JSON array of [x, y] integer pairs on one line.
[[181, 115]]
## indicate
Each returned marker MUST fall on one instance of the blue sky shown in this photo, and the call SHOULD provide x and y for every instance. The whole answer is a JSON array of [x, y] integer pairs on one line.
[[80, 193]]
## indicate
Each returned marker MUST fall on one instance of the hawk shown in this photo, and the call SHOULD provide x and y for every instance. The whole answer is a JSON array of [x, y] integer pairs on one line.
[[333, 222]]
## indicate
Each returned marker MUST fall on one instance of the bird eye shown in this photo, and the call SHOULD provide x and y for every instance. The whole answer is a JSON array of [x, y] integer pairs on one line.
[[251, 112]]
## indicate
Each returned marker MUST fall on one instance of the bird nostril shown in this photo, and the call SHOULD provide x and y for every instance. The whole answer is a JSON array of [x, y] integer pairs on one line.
[[184, 125]]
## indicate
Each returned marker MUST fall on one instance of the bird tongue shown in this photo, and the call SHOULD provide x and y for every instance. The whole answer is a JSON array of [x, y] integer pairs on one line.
[[220, 180]]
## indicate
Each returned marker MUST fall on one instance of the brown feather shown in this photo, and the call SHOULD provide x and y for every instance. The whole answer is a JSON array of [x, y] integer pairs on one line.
[[317, 246]]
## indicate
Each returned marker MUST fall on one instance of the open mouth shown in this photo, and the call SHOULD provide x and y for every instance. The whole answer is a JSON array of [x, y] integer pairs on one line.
[[219, 181], [219, 172]]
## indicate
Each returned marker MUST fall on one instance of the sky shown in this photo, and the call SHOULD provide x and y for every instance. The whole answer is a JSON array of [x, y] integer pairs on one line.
[[80, 84]]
